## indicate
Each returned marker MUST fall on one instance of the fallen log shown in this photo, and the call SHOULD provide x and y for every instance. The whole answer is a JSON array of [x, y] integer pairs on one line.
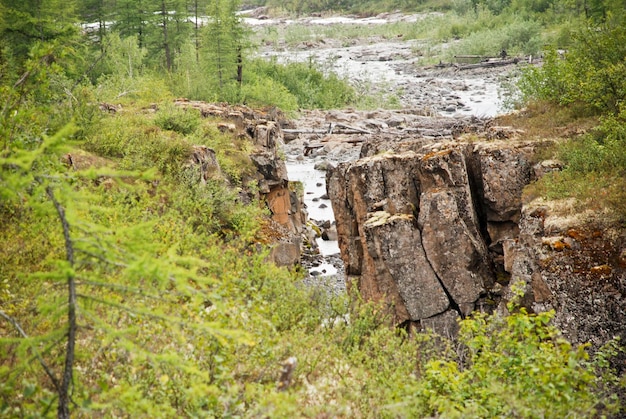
[[305, 131], [333, 129], [488, 64], [348, 127], [311, 147]]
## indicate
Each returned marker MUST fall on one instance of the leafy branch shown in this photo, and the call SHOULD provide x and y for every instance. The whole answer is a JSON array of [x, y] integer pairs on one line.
[[38, 355]]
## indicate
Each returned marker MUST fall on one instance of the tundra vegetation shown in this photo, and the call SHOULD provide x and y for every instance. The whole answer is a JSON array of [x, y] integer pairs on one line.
[[128, 289]]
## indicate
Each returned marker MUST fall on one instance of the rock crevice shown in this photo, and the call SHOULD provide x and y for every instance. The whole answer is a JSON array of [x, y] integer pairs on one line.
[[423, 227], [263, 129], [436, 230]]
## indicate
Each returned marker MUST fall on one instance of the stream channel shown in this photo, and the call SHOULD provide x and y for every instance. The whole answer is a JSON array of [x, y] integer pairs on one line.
[[385, 66]]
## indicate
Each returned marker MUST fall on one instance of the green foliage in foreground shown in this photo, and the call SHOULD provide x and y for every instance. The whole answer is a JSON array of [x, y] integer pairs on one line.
[[517, 366], [178, 313], [590, 79]]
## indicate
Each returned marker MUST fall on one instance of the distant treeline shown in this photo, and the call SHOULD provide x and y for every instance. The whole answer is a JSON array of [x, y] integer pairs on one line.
[[586, 8]]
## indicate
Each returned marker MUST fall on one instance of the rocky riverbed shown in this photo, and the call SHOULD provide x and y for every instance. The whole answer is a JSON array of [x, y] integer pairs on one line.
[[436, 102], [395, 71]]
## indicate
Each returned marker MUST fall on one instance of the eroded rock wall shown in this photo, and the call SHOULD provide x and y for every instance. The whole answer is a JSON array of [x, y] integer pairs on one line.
[[572, 262], [436, 230], [263, 129], [423, 229]]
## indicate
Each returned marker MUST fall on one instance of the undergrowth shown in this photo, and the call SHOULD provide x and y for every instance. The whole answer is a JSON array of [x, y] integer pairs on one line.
[[181, 314]]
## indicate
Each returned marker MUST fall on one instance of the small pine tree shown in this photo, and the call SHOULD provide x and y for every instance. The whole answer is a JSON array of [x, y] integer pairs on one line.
[[224, 48]]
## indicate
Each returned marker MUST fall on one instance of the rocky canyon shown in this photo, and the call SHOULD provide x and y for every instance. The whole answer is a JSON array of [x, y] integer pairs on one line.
[[436, 228]]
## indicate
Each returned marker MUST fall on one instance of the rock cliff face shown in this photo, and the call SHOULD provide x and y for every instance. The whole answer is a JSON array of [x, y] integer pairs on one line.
[[263, 129], [437, 230], [575, 265]]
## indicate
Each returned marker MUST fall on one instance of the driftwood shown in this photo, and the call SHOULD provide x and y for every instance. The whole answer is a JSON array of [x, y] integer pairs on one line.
[[350, 128], [479, 57], [309, 148], [305, 131], [484, 62], [488, 64], [333, 128]]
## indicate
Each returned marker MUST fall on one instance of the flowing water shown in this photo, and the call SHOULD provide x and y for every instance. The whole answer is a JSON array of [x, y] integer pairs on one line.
[[389, 66], [314, 182]]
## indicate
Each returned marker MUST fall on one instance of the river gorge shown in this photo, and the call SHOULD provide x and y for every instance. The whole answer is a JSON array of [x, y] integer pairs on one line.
[[433, 217], [428, 202]]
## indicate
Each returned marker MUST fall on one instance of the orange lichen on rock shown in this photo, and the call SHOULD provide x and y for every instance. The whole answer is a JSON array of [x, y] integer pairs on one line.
[[437, 154], [576, 234], [556, 243], [601, 270], [560, 246]]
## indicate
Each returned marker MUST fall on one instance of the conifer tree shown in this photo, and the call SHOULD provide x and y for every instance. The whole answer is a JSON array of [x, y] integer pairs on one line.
[[94, 285], [224, 45], [97, 16], [25, 22]]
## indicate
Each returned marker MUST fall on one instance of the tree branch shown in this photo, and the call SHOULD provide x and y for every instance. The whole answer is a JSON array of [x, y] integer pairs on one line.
[[101, 258], [63, 411], [91, 67], [19, 329]]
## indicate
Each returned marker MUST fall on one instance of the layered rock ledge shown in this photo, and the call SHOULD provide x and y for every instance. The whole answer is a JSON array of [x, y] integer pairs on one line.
[[437, 230], [263, 128]]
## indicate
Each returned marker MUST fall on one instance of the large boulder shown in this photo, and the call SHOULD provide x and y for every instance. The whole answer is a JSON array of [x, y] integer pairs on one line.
[[457, 256], [367, 186], [409, 233], [504, 174], [204, 160]]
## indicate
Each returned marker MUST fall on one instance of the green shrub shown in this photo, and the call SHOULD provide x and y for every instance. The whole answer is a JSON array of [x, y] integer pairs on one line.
[[514, 366], [591, 75], [183, 121], [233, 154], [311, 88], [143, 90], [262, 90], [139, 145], [517, 37], [595, 168]]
